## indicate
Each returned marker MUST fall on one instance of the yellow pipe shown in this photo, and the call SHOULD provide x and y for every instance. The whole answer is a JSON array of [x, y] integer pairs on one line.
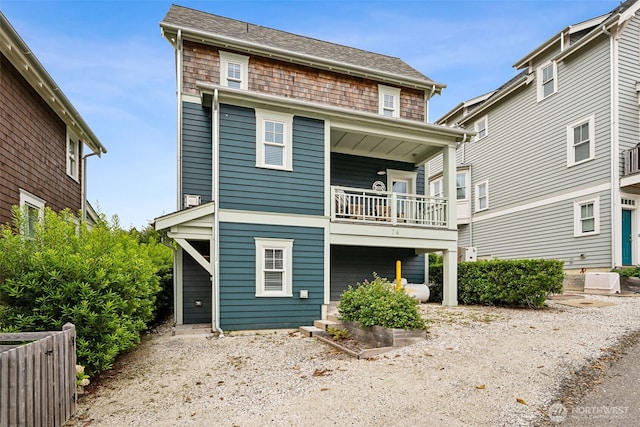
[[398, 275]]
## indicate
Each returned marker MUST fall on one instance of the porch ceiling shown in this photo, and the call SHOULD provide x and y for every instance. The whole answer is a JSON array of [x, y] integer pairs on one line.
[[383, 147]]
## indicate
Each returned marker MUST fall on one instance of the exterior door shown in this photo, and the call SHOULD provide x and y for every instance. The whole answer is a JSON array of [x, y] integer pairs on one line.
[[627, 238], [401, 186]]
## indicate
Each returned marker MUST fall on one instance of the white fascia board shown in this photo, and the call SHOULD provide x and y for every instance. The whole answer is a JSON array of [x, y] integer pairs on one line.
[[298, 58], [21, 56], [272, 218], [185, 215], [343, 118]]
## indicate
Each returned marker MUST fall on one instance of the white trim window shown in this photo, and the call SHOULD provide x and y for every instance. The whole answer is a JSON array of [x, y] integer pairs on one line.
[[462, 185], [33, 209], [73, 156], [234, 70], [586, 217], [436, 189], [481, 126], [274, 141], [274, 267], [482, 196], [581, 141], [546, 78], [388, 101]]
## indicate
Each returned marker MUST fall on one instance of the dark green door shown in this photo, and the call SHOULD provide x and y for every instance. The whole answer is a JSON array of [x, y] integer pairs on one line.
[[627, 258]]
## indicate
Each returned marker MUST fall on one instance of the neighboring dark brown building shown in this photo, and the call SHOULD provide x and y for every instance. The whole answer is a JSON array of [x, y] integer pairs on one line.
[[42, 136]]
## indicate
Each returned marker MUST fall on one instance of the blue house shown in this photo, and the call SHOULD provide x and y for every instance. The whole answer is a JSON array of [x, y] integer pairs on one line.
[[300, 172]]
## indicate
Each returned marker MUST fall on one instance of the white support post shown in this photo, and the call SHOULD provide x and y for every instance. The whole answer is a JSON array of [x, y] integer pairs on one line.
[[449, 185], [450, 278]]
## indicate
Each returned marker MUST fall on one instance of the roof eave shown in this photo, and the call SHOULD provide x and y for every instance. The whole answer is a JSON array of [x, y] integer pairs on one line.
[[20, 55], [200, 36], [491, 101]]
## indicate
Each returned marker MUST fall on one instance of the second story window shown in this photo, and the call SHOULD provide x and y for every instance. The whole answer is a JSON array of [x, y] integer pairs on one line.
[[388, 101], [274, 148], [234, 70], [580, 141], [436, 188], [482, 196], [461, 186], [73, 156], [546, 76], [482, 128]]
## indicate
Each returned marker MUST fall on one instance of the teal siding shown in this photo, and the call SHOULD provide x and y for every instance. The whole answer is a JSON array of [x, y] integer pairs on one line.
[[245, 187], [354, 264], [196, 150], [361, 172], [240, 309]]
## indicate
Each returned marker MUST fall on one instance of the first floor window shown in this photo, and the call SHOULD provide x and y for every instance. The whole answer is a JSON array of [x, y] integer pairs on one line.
[[33, 210], [274, 265], [586, 217], [274, 140], [482, 196]]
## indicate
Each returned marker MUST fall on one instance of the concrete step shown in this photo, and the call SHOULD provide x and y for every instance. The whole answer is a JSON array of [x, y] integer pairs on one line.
[[310, 331], [324, 324], [202, 328]]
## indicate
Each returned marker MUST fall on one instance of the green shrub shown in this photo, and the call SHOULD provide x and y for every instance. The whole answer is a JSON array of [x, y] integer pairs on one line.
[[628, 272], [519, 283], [338, 334], [378, 303], [101, 280]]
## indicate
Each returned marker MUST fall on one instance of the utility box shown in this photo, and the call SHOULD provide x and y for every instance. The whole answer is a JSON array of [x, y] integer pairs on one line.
[[467, 254], [602, 283]]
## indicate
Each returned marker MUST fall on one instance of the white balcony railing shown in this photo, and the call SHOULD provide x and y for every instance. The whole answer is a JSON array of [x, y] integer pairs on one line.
[[369, 206]]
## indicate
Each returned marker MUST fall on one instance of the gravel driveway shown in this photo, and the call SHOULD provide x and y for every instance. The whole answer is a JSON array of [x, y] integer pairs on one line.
[[480, 366]]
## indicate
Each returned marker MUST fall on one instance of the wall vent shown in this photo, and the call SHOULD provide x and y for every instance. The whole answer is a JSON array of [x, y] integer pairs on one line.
[[191, 200]]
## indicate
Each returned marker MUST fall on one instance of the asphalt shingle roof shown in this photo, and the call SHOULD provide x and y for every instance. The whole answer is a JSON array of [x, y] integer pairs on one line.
[[187, 18]]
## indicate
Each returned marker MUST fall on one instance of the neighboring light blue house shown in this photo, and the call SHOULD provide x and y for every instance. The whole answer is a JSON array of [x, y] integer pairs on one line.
[[300, 172], [553, 169]]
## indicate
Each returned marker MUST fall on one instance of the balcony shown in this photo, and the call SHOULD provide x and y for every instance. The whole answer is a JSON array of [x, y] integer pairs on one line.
[[384, 207], [632, 161]]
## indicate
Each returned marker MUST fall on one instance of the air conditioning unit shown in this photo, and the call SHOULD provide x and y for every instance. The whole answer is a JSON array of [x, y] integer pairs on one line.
[[191, 200]]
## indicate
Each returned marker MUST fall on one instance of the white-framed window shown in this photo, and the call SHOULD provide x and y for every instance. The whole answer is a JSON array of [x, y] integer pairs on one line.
[[33, 209], [274, 141], [73, 156], [436, 188], [581, 141], [586, 217], [547, 81], [388, 101], [462, 185], [482, 196], [234, 70], [274, 267], [481, 126]]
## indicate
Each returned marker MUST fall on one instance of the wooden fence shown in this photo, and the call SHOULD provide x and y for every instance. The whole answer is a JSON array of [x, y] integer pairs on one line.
[[38, 379]]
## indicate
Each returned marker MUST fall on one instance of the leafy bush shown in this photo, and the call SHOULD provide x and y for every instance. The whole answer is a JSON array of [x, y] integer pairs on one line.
[[378, 303], [520, 283], [101, 280], [338, 334], [628, 272]]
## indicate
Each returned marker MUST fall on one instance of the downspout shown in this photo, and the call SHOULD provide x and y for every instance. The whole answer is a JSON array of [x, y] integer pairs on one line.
[[83, 186], [215, 245], [426, 105], [179, 203], [615, 190]]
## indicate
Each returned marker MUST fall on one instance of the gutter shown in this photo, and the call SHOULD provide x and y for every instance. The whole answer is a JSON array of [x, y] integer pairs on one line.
[[301, 58], [83, 186]]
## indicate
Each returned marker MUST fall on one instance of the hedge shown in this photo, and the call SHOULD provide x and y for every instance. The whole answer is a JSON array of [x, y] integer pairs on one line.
[[101, 279], [519, 283]]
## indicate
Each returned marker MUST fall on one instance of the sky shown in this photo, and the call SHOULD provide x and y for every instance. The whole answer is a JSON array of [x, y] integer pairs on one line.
[[110, 60]]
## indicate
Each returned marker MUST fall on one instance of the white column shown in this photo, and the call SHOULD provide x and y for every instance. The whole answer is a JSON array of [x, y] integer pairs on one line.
[[450, 278]]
